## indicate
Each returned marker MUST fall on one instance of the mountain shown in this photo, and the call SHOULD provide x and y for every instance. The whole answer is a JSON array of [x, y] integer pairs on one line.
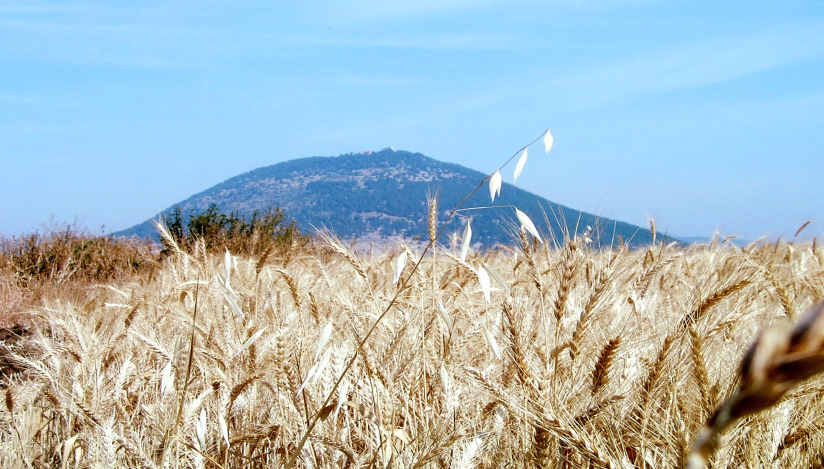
[[379, 195]]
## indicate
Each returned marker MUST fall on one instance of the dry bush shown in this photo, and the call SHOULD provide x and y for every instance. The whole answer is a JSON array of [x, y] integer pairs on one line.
[[65, 258], [608, 358]]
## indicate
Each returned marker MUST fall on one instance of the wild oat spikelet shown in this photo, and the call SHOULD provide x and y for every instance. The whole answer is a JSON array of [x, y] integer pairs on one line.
[[484, 281], [400, 263], [467, 239], [520, 166], [526, 224], [549, 141], [495, 184]]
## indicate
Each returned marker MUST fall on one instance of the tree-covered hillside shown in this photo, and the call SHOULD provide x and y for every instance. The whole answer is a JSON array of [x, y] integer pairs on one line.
[[385, 194]]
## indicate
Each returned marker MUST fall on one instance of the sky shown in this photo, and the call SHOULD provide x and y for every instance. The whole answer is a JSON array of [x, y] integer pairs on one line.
[[704, 115]]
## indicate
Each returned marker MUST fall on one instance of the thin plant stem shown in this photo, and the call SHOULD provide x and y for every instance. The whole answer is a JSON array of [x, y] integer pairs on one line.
[[293, 457]]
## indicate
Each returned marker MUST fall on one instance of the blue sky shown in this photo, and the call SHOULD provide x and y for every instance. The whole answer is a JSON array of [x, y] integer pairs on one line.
[[705, 115]]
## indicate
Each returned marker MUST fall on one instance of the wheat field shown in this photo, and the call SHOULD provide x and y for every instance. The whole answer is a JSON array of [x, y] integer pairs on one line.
[[582, 357]]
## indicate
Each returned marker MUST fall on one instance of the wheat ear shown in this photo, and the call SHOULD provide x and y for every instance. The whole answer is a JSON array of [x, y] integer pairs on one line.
[[778, 360], [338, 247], [700, 370], [600, 376], [512, 326], [583, 320], [290, 463]]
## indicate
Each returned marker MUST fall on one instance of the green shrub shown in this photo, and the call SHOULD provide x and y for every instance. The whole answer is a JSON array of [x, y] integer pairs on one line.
[[261, 232]]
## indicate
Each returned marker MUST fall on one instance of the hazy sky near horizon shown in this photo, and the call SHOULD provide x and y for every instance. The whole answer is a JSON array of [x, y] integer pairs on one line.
[[705, 115]]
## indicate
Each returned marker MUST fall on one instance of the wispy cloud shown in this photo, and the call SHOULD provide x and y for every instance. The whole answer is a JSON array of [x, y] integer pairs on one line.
[[710, 62], [381, 81], [346, 12], [34, 7], [442, 41], [20, 99], [371, 11], [123, 44], [145, 41]]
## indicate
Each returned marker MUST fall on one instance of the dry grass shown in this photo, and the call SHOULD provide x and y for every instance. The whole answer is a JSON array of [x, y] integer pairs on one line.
[[64, 259], [609, 358]]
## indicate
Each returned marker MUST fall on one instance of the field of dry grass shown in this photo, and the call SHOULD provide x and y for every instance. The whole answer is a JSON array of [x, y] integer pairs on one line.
[[580, 358]]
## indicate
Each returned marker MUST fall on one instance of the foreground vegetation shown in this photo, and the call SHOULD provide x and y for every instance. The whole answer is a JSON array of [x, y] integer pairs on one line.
[[581, 357], [242, 343], [64, 258]]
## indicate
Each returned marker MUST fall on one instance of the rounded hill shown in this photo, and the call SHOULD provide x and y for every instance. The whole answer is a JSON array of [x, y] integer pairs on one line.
[[383, 194]]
